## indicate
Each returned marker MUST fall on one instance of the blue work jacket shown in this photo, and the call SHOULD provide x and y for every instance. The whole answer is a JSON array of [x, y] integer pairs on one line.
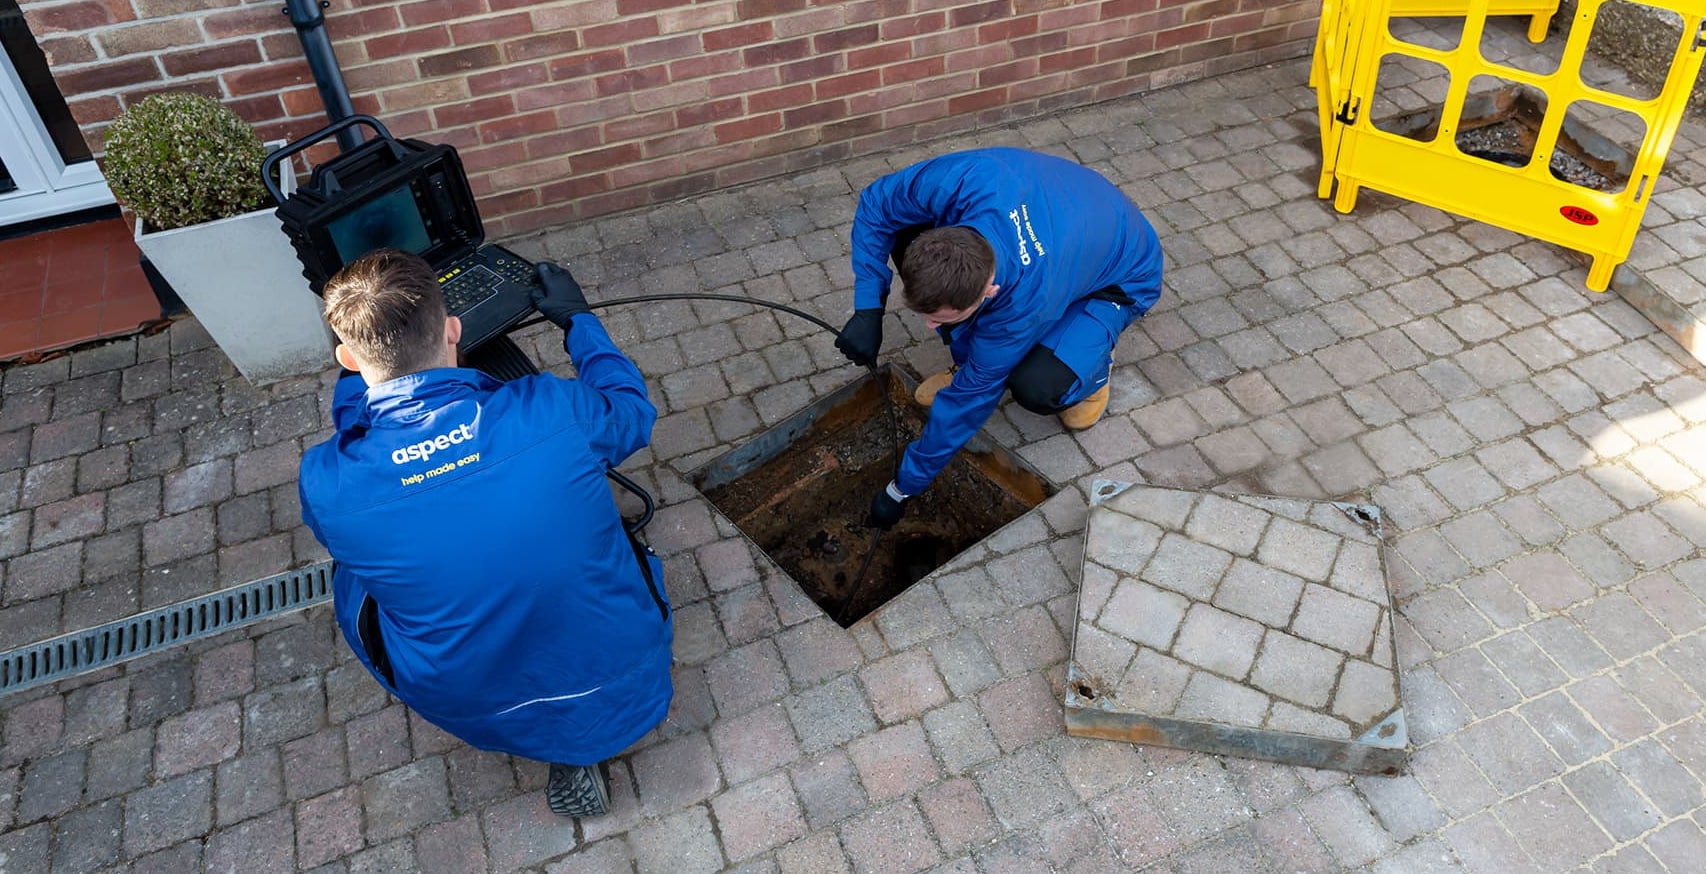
[[1060, 232], [510, 603]]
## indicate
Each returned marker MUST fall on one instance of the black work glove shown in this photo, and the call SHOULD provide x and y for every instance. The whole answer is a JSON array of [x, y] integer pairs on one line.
[[887, 507], [558, 296], [862, 338]]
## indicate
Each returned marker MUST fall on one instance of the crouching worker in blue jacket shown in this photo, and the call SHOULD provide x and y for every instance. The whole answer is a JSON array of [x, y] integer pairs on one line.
[[483, 572], [1028, 266]]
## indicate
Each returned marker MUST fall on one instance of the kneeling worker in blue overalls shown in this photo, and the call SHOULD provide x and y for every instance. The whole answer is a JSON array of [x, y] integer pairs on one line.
[[1027, 265], [484, 574]]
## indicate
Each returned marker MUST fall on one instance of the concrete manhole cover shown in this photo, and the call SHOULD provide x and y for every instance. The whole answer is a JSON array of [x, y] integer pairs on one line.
[[1247, 625]]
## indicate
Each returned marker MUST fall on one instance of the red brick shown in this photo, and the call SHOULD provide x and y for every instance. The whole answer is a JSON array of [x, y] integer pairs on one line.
[[247, 21], [1007, 29], [976, 100], [377, 20], [875, 10], [1071, 16], [814, 114], [1210, 9], [282, 46], [604, 159], [627, 81], [1033, 88], [460, 61], [377, 76], [681, 186], [776, 52], [586, 64], [842, 86], [811, 68], [721, 156], [1179, 36], [678, 142], [1041, 44], [502, 27], [635, 127], [741, 35], [636, 7], [576, 188], [516, 126], [972, 14], [944, 42], [563, 142], [508, 156], [778, 98], [847, 38], [208, 58], [108, 77], [1260, 39], [553, 95], [947, 86], [912, 71], [592, 111], [665, 49], [473, 111], [437, 11], [1151, 63], [257, 110], [707, 112], [268, 78], [1127, 8], [67, 17], [1130, 47], [979, 58], [880, 99], [509, 78], [423, 94], [1098, 73], [1024, 6], [632, 175], [620, 33], [1235, 25], [748, 128], [703, 65], [1024, 68], [408, 42], [514, 201], [756, 9], [670, 95], [1067, 60], [67, 50], [902, 28], [852, 127], [696, 18], [1202, 51], [585, 14], [878, 55], [545, 45], [744, 82], [1100, 32], [94, 110]]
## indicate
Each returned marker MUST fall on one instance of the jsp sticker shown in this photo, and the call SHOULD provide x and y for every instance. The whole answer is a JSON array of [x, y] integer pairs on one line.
[[1578, 215]]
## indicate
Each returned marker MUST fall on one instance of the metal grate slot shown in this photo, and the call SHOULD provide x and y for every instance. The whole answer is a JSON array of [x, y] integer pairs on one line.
[[83, 651]]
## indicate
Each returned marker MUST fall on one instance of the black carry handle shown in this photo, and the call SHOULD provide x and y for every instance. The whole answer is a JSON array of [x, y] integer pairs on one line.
[[268, 166], [638, 525]]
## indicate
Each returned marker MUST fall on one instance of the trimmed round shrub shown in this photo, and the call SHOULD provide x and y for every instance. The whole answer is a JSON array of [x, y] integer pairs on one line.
[[181, 159]]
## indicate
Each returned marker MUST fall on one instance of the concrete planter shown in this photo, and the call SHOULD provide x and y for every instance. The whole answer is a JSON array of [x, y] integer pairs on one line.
[[241, 280]]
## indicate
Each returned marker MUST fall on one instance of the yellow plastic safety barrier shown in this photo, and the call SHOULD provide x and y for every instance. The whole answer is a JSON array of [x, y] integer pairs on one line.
[[1355, 36]]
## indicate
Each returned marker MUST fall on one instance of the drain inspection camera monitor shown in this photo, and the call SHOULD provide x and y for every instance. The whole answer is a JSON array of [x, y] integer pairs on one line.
[[414, 196]]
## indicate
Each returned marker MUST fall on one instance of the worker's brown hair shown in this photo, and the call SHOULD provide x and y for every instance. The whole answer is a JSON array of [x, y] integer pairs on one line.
[[946, 268], [388, 309]]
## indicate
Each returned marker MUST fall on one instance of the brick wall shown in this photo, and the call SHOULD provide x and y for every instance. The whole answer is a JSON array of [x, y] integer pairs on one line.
[[563, 110]]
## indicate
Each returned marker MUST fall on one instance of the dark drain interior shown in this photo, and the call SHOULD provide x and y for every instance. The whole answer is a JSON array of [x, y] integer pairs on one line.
[[801, 491]]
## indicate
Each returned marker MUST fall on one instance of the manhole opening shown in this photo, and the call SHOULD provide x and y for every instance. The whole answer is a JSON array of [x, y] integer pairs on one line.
[[801, 491]]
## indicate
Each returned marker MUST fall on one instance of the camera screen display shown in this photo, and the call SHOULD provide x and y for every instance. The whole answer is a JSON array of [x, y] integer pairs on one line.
[[390, 220]]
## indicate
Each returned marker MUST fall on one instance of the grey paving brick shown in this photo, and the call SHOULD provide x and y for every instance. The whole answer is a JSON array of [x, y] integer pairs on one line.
[[676, 774], [683, 842], [893, 838], [758, 816], [168, 812]]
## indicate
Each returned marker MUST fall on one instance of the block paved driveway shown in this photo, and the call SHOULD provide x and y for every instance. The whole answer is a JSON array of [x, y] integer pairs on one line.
[[1539, 451]]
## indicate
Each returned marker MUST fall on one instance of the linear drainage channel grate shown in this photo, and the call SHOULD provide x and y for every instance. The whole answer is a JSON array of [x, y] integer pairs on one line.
[[82, 651]]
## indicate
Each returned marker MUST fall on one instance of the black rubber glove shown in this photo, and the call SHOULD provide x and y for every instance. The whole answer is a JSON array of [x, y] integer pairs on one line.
[[887, 507], [558, 296], [862, 338]]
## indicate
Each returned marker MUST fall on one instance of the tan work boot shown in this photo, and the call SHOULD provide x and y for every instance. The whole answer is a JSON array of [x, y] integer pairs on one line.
[[1086, 412], [926, 391]]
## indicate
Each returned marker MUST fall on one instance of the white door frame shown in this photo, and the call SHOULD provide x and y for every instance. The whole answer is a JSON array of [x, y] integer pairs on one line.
[[47, 186]]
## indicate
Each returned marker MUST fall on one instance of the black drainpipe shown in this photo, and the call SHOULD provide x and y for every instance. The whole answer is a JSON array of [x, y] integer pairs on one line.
[[310, 24]]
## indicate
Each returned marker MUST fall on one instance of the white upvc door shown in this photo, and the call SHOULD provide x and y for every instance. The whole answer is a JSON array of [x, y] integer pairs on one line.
[[42, 183]]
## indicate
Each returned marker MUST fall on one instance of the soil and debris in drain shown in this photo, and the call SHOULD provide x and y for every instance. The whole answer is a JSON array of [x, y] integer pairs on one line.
[[1511, 143], [807, 508]]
